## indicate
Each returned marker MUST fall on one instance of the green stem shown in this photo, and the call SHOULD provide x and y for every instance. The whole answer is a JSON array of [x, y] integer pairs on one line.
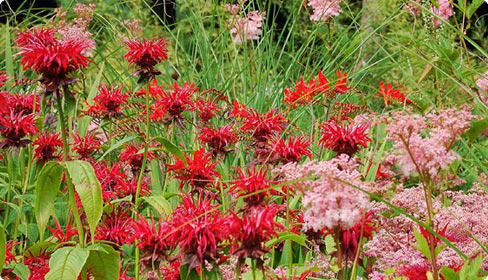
[[253, 267], [141, 172], [71, 191]]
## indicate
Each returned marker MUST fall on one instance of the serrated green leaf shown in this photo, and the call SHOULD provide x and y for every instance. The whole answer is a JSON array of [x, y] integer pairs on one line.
[[45, 193], [66, 263], [103, 262], [472, 7], [88, 188]]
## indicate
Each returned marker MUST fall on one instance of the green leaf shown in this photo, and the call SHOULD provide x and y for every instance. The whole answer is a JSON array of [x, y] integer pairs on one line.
[[422, 246], [3, 247], [172, 148], [88, 188], [449, 273], [287, 236], [94, 86], [103, 262], [117, 145], [477, 127], [66, 263], [47, 188], [188, 274], [22, 271], [472, 7], [159, 203], [9, 63]]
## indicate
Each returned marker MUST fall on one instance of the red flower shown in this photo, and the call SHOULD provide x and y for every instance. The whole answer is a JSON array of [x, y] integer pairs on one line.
[[389, 94], [60, 235], [24, 103], [341, 84], [130, 188], [145, 54], [108, 102], [430, 237], [344, 139], [86, 146], [134, 155], [38, 264], [254, 186], [51, 58], [111, 179], [350, 238], [198, 172], [217, 138], [14, 127], [47, 145], [278, 150], [238, 110], [262, 126], [9, 256], [251, 231], [173, 103], [4, 103], [303, 276], [172, 272], [152, 240], [3, 79], [304, 94], [206, 109], [199, 228], [117, 227]]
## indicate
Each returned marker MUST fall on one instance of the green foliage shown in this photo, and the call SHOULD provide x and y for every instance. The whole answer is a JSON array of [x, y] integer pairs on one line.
[[66, 263], [103, 262]]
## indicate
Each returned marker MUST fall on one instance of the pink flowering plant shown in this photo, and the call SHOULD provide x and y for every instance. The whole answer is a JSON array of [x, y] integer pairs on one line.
[[316, 139]]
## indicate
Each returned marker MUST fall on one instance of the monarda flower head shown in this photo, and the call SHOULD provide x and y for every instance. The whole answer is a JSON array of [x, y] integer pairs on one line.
[[344, 138], [86, 146], [251, 231], [145, 54], [24, 103], [252, 185], [47, 145], [108, 103], [263, 125], [117, 227], [134, 155], [217, 139], [53, 59], [206, 109], [199, 229], [198, 172], [15, 127], [279, 150], [303, 94], [153, 241], [173, 102]]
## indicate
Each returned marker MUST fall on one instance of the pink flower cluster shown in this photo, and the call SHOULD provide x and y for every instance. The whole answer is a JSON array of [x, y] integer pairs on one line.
[[444, 11], [482, 83], [245, 28], [422, 145], [324, 9], [328, 198]]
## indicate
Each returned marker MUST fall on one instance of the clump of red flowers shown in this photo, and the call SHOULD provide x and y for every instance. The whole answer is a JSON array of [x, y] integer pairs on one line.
[[145, 54], [53, 59], [63, 235], [153, 241], [304, 94], [262, 125], [47, 147], [198, 172], [217, 139], [206, 109], [22, 103], [198, 229], [252, 185], [117, 227], [344, 138], [14, 127], [391, 94], [108, 103]]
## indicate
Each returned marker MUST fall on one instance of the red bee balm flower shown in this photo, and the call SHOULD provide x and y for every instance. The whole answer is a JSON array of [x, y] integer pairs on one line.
[[281, 151], [173, 103], [217, 138], [24, 103], [51, 58], [108, 102], [152, 240], [262, 126], [199, 229], [206, 109], [145, 54], [134, 155], [86, 146], [254, 186], [14, 127], [344, 139], [304, 94], [390, 94], [251, 231], [197, 172], [117, 227], [47, 145]]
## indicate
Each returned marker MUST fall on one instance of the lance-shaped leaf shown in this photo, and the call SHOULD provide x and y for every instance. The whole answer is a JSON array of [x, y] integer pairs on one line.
[[66, 263], [103, 262]]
